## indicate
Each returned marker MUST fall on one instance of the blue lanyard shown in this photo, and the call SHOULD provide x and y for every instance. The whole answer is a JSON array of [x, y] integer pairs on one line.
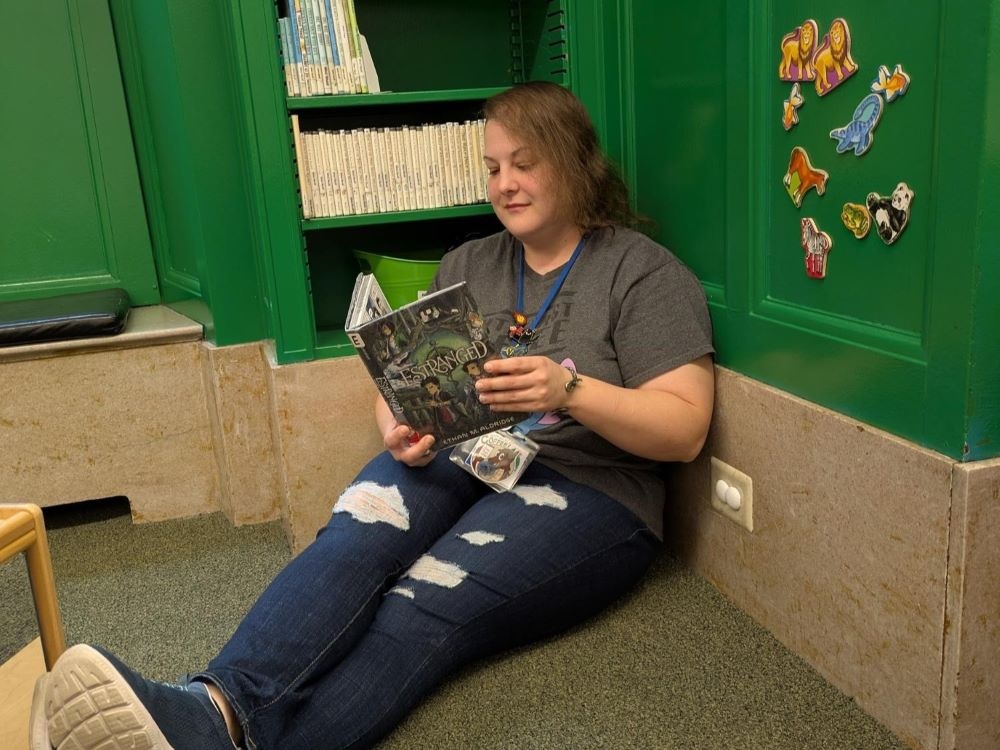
[[553, 291]]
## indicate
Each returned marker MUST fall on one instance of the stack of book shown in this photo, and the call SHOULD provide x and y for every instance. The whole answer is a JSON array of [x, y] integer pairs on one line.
[[321, 48], [379, 170]]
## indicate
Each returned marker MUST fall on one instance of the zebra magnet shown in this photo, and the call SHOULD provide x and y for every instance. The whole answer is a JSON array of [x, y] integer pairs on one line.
[[817, 245]]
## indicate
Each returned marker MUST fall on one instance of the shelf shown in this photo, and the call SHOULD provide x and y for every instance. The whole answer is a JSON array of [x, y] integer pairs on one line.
[[332, 343], [389, 98], [395, 217]]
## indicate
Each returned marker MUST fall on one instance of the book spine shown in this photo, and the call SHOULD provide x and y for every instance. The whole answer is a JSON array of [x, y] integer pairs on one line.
[[325, 50], [286, 55], [302, 7], [337, 140], [330, 36], [340, 28], [298, 47], [357, 58], [303, 168], [480, 164]]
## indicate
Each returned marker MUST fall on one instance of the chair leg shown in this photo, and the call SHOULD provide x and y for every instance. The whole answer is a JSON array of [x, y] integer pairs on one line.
[[43, 589]]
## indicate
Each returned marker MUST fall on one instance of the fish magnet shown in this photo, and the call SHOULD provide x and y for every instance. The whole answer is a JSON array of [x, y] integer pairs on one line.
[[789, 107], [798, 48], [817, 245], [858, 134], [890, 214], [803, 176], [833, 63], [891, 85], [856, 218]]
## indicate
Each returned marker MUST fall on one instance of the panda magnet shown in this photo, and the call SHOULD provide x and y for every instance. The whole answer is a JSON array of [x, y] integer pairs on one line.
[[890, 214], [817, 245]]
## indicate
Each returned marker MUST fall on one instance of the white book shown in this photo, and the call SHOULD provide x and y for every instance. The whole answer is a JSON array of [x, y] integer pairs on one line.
[[303, 168], [483, 173], [325, 48], [351, 192], [336, 66], [357, 189], [464, 139], [418, 148], [378, 157], [367, 168], [333, 196], [435, 159], [341, 173], [308, 29], [454, 168], [295, 6], [354, 41], [412, 168], [397, 170], [313, 155], [319, 183]]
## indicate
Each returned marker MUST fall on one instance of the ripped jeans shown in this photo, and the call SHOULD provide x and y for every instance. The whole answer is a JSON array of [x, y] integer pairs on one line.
[[418, 572]]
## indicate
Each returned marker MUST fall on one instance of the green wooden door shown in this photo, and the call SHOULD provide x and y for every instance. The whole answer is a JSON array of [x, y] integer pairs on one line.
[[71, 209], [891, 334]]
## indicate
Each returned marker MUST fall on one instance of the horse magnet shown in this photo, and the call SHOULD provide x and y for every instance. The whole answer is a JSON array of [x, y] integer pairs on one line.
[[833, 63], [802, 176], [891, 85], [856, 218], [891, 214], [789, 107], [798, 48], [817, 245], [859, 132]]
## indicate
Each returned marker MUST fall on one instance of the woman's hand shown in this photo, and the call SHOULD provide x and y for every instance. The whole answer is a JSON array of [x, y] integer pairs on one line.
[[397, 441], [524, 384]]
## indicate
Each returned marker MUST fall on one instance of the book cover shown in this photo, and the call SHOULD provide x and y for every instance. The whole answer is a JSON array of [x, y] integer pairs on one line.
[[425, 359]]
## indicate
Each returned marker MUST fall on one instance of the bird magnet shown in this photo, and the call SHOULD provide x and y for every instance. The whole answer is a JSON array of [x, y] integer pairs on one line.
[[833, 63], [798, 48], [890, 214], [859, 133], [802, 176], [817, 246], [790, 107], [856, 218], [891, 85]]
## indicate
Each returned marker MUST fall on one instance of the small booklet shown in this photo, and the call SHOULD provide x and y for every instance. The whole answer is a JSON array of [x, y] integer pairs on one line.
[[425, 359]]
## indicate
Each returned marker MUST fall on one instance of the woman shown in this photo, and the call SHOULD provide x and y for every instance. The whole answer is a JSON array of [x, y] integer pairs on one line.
[[422, 568]]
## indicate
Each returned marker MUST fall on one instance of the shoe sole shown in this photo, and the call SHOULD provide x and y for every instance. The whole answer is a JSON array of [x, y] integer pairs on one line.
[[90, 706], [38, 730]]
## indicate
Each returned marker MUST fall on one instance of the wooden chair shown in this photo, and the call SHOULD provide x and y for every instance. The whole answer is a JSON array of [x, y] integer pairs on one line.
[[22, 529]]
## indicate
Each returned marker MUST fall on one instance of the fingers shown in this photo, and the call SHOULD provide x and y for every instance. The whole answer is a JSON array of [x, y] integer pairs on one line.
[[522, 384], [398, 442]]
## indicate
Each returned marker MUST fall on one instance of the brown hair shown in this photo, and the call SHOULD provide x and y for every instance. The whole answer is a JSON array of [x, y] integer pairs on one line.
[[553, 122]]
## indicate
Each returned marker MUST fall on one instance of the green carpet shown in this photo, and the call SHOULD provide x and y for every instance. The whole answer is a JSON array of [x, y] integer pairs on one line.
[[674, 666]]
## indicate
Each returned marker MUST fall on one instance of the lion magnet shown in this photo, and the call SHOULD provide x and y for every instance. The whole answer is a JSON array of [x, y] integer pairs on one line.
[[858, 134], [891, 85], [833, 63], [790, 107], [890, 215], [802, 176], [798, 47], [856, 218], [817, 245]]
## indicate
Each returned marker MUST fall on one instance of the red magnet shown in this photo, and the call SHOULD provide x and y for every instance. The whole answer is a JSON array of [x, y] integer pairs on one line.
[[817, 245]]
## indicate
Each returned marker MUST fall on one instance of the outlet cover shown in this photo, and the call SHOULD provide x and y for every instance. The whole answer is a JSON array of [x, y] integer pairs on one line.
[[733, 478]]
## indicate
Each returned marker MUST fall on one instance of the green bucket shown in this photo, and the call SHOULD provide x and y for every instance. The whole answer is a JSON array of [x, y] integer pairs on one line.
[[402, 278]]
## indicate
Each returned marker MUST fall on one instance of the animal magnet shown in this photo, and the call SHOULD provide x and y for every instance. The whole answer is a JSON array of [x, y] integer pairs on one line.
[[833, 63], [858, 133], [817, 245], [856, 218], [789, 108], [798, 47], [891, 85], [892, 214], [802, 176]]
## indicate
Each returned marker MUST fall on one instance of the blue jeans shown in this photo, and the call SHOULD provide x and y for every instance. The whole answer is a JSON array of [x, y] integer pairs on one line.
[[418, 572]]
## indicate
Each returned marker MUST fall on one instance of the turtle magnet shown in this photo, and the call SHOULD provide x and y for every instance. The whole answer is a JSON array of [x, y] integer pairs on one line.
[[891, 214], [858, 134], [789, 107], [856, 218], [798, 47], [817, 245], [891, 85], [833, 63], [802, 176]]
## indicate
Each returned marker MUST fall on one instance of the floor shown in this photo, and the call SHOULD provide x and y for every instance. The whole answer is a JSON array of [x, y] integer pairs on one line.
[[17, 680]]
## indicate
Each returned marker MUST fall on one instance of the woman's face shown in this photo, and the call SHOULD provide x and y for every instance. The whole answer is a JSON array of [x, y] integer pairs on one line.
[[519, 187]]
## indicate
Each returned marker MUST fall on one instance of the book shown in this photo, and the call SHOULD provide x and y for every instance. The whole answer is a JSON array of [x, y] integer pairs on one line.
[[425, 358]]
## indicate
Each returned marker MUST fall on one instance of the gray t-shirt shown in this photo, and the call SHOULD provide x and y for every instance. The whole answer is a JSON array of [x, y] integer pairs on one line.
[[628, 311]]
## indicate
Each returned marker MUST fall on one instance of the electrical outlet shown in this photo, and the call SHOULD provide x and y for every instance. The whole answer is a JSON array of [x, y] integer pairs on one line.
[[732, 493]]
